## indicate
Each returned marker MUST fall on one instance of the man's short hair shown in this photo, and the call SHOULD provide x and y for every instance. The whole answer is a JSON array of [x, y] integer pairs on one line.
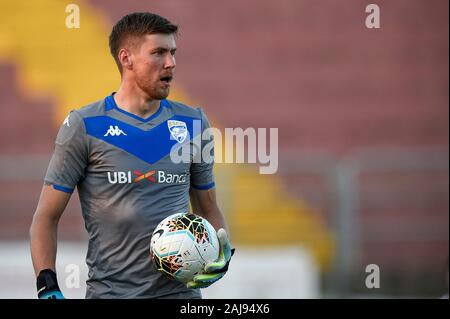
[[135, 25]]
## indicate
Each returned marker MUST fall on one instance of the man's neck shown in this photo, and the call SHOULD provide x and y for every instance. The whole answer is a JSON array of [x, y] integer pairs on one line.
[[136, 102]]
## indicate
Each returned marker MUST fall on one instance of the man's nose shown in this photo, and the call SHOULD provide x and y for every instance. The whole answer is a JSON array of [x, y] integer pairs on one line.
[[170, 62]]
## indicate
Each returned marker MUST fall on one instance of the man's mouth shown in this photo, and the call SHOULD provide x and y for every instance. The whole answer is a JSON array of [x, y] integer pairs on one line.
[[166, 79]]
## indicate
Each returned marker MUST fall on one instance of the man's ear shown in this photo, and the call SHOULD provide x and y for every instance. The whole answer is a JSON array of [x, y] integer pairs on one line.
[[126, 59]]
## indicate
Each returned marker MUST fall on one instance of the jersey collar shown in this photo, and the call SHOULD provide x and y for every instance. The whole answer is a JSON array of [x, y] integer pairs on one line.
[[110, 104]]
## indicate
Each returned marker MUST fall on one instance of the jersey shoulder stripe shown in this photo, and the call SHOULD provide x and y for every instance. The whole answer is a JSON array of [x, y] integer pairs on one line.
[[93, 109]]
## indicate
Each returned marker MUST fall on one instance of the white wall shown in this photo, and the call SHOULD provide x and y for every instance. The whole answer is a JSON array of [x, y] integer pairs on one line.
[[288, 272], [254, 273]]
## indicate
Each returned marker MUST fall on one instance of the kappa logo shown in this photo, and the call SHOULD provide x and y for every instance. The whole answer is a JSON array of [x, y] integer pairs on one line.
[[114, 131], [66, 121], [178, 130]]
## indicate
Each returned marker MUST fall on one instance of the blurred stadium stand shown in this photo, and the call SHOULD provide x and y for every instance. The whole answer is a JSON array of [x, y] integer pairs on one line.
[[362, 117]]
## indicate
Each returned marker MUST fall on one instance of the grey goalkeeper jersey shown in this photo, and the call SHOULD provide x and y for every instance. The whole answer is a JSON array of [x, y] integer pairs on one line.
[[127, 183]]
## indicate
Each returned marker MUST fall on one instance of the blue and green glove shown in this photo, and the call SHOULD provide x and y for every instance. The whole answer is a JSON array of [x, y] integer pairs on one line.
[[47, 285], [216, 269]]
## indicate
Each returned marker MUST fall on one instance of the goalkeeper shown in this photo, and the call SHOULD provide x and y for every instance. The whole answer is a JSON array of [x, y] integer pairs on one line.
[[116, 152]]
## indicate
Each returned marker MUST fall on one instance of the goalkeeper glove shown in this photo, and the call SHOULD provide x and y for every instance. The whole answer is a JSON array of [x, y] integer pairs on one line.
[[217, 269], [47, 285]]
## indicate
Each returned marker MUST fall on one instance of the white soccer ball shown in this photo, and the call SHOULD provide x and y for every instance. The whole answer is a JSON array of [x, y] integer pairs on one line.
[[182, 244]]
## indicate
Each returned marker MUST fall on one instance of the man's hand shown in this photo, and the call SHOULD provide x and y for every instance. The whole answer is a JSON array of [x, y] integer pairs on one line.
[[217, 269], [47, 285]]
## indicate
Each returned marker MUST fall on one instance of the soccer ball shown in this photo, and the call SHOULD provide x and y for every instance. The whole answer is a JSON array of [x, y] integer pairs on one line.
[[182, 244]]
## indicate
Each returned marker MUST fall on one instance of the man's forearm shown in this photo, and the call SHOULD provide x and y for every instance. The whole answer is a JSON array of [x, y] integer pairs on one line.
[[215, 217], [207, 207], [43, 243]]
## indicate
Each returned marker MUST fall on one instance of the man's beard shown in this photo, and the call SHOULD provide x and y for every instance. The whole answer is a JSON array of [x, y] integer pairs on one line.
[[153, 91], [160, 94]]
